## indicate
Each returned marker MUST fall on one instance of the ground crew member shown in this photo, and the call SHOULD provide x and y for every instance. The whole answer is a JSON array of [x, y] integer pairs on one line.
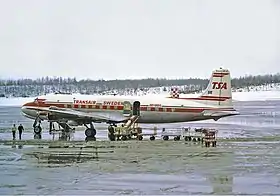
[[14, 129], [20, 129]]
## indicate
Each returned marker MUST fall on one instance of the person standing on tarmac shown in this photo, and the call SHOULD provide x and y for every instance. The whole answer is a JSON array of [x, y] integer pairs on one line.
[[20, 129], [14, 129]]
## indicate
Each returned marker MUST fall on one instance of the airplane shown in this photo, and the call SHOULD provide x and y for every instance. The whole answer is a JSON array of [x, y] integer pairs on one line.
[[77, 110]]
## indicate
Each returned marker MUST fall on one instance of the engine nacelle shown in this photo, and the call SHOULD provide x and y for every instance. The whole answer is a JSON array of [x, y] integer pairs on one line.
[[50, 116], [73, 123]]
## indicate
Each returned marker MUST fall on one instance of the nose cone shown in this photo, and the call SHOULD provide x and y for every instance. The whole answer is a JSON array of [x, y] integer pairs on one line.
[[28, 111], [24, 109]]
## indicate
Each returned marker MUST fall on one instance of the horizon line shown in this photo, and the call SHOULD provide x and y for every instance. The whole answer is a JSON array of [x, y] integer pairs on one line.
[[124, 79]]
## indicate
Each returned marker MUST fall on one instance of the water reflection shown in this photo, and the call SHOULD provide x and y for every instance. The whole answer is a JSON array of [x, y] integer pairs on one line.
[[66, 155], [221, 184], [14, 145]]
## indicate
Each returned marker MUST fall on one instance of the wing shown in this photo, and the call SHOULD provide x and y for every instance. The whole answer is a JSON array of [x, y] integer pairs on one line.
[[215, 113], [78, 115]]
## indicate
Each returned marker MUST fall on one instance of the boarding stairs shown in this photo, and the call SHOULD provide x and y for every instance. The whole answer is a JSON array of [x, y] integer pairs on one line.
[[131, 121], [129, 128]]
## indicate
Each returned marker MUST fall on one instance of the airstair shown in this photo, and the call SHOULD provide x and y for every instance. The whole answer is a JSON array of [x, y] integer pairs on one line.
[[131, 121], [125, 131]]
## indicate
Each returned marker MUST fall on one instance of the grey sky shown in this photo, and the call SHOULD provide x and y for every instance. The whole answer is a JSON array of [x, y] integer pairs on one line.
[[131, 38]]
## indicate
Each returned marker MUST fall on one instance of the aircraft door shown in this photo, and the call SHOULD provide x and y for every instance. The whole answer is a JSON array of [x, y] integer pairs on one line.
[[136, 108], [126, 108]]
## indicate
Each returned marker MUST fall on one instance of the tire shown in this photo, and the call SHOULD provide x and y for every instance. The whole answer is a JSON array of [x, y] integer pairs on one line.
[[37, 129], [111, 129], [90, 132], [93, 132], [165, 137], [152, 138], [112, 137], [124, 138], [140, 137]]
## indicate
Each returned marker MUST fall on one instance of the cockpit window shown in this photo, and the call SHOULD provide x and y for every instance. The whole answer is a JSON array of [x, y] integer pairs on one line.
[[37, 99]]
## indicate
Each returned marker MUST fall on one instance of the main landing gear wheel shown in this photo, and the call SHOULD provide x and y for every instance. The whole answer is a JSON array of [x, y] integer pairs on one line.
[[90, 132], [111, 134]]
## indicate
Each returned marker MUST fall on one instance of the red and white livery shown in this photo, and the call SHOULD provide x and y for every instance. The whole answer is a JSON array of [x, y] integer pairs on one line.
[[214, 103]]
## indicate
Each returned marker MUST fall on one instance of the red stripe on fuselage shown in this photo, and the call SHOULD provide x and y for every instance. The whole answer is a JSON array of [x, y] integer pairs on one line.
[[120, 107], [204, 98]]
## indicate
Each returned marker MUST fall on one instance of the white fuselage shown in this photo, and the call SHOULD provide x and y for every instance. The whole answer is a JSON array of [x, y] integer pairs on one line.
[[153, 109]]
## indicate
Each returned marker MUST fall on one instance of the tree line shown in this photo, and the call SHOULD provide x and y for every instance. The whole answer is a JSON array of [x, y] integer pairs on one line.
[[139, 83], [87, 86]]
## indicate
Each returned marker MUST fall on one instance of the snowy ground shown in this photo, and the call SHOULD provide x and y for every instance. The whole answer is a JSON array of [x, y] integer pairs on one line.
[[237, 96]]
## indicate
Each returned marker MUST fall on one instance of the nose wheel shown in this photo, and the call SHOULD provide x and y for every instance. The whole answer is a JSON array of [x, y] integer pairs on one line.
[[37, 125], [37, 129]]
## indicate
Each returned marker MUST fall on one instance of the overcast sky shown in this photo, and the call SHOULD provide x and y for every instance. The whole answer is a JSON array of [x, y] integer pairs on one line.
[[112, 39]]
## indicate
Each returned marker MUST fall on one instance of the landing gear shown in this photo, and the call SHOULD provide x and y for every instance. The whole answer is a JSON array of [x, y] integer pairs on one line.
[[90, 132], [111, 134], [37, 128]]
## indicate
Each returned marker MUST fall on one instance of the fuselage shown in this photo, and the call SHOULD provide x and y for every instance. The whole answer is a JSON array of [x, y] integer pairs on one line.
[[153, 109]]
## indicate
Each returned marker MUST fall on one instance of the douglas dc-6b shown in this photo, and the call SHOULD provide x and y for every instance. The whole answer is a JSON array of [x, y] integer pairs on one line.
[[74, 110]]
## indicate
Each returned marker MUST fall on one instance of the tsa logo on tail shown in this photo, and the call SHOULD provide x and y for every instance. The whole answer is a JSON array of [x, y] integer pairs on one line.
[[219, 85]]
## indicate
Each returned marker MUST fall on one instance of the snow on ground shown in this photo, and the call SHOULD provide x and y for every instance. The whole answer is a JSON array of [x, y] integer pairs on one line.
[[15, 101], [256, 96], [237, 96]]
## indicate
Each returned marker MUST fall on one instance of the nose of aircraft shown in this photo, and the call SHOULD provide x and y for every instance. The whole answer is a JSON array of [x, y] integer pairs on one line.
[[27, 111], [24, 109]]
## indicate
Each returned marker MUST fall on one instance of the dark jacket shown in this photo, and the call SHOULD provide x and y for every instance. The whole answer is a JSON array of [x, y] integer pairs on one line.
[[20, 128]]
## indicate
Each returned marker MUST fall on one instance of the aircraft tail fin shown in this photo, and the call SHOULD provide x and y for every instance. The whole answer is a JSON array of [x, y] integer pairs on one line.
[[218, 91]]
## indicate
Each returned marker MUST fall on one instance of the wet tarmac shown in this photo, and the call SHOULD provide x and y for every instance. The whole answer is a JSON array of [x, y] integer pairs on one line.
[[147, 167]]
